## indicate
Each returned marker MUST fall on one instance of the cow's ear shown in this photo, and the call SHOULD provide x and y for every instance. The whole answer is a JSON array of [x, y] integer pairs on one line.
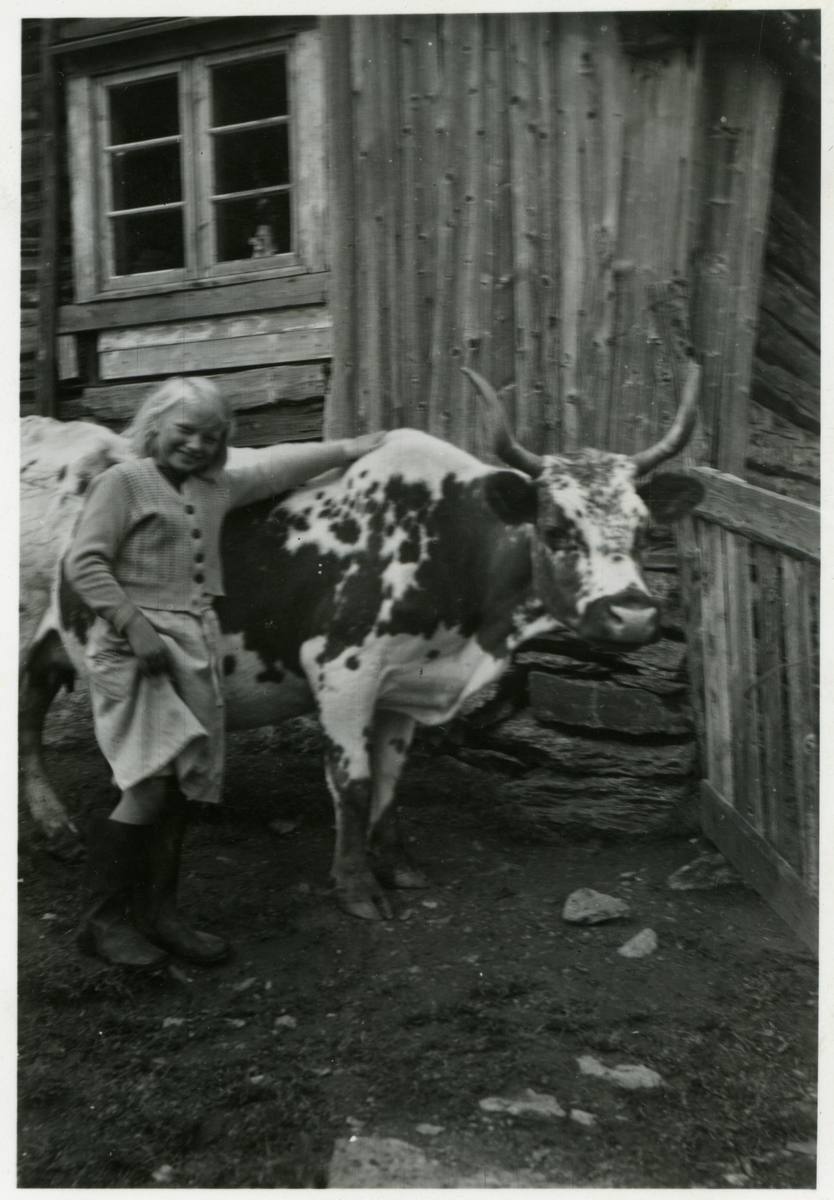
[[669, 497], [511, 497]]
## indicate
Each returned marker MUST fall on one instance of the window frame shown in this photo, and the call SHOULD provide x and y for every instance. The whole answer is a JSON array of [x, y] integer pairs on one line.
[[93, 250]]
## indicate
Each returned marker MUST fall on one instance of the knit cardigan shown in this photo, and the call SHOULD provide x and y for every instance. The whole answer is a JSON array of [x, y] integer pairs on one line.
[[141, 543]]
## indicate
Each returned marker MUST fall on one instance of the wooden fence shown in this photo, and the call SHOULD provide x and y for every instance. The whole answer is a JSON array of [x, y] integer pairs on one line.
[[751, 573]]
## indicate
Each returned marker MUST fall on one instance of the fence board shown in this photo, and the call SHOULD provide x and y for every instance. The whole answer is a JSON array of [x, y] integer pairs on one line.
[[719, 733], [802, 715], [744, 701], [770, 687], [760, 864], [778, 521]]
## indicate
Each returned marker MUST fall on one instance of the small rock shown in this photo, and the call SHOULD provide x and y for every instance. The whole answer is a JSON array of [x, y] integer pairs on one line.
[[626, 1075], [178, 974], [809, 1148], [257, 1078], [583, 1118], [49, 917], [172, 1022], [587, 907], [282, 828], [429, 1130], [245, 985], [530, 1104], [406, 914], [163, 1174], [708, 870], [429, 903], [235, 1022], [285, 1022], [736, 1180], [640, 946]]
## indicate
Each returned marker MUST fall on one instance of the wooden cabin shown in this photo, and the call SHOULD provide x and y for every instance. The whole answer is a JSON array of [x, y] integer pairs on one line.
[[331, 216]]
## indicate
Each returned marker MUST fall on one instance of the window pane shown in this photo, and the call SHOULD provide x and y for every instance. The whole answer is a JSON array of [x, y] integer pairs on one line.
[[149, 242], [253, 228], [140, 111], [255, 158], [145, 177], [249, 91]]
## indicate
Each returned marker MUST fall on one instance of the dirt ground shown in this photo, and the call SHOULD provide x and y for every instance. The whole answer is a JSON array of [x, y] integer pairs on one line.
[[323, 1027]]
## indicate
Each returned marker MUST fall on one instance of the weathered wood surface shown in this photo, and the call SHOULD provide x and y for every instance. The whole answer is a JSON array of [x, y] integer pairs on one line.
[[279, 423], [287, 335], [760, 865], [782, 457], [795, 307], [594, 704], [778, 521], [776, 388], [798, 584], [793, 244], [195, 302], [246, 389]]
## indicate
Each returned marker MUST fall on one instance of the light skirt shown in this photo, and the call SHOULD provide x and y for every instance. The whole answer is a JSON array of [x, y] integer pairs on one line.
[[164, 724]]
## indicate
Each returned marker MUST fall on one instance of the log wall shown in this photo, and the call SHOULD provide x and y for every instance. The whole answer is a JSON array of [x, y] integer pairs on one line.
[[509, 204]]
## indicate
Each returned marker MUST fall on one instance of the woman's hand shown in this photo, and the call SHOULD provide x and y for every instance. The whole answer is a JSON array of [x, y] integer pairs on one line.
[[364, 444], [147, 645]]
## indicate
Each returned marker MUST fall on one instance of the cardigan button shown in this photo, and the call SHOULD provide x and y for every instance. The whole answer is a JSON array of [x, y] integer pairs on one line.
[[198, 558], [189, 508], [196, 533], [199, 577]]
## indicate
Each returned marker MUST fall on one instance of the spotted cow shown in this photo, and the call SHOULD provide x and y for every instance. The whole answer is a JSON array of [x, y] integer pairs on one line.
[[384, 598]]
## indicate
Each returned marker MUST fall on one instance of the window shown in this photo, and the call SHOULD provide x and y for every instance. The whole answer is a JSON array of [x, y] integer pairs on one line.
[[208, 168]]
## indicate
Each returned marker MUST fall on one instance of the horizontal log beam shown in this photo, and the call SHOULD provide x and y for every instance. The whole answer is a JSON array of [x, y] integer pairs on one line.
[[294, 383], [780, 521], [186, 304], [778, 390]]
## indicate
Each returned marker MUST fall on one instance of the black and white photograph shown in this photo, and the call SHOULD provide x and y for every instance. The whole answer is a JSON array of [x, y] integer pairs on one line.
[[419, 598]]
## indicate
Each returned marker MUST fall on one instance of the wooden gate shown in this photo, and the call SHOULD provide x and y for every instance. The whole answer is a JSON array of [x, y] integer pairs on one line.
[[750, 564]]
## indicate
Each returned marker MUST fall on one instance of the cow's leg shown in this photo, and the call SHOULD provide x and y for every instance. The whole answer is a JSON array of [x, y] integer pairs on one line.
[[392, 866], [346, 700], [45, 670]]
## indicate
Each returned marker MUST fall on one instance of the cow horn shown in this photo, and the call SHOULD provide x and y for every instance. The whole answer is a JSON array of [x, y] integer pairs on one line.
[[504, 444], [678, 433]]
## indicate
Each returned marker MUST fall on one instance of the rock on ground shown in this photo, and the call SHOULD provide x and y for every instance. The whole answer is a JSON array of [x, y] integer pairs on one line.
[[640, 946], [384, 1162], [587, 907]]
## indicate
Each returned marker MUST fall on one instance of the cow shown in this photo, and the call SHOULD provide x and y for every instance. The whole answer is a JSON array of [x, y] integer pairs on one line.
[[387, 596]]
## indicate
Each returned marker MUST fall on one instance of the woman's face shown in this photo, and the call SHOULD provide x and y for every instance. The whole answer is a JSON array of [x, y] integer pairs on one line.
[[189, 437]]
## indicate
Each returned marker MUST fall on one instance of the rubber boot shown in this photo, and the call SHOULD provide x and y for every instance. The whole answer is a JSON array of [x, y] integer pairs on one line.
[[155, 891], [115, 852]]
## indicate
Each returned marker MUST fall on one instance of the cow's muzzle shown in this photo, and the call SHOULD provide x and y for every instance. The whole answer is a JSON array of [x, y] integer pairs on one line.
[[630, 618]]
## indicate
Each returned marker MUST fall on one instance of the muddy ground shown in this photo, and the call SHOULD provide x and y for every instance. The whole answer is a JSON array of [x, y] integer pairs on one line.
[[477, 988]]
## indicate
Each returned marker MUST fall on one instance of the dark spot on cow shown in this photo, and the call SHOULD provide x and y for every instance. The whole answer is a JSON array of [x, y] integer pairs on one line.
[[346, 530], [319, 495], [229, 664], [372, 488], [432, 654], [298, 521], [270, 674], [76, 616], [352, 663], [363, 474], [410, 547], [62, 473], [83, 484]]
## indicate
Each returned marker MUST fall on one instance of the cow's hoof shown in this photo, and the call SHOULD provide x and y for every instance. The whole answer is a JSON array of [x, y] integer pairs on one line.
[[370, 904]]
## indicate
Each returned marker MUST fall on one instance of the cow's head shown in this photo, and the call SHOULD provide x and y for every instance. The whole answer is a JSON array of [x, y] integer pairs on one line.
[[590, 516]]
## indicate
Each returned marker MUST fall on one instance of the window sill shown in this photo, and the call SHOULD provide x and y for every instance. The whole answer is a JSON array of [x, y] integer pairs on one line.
[[194, 298]]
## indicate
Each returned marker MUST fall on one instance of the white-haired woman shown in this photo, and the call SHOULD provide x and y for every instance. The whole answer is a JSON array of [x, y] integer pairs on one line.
[[146, 559]]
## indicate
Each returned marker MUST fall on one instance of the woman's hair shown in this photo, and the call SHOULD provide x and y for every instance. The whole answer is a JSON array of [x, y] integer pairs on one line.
[[141, 433]]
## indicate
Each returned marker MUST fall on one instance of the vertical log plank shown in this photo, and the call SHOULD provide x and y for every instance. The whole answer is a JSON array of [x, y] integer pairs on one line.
[[572, 249], [409, 99], [802, 719], [341, 402], [692, 591], [390, 218], [46, 379], [744, 700], [770, 690], [365, 66], [467, 283], [550, 437], [522, 181], [719, 732], [438, 411]]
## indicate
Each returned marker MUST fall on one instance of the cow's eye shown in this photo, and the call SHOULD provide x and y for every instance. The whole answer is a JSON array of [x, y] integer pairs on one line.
[[559, 539]]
